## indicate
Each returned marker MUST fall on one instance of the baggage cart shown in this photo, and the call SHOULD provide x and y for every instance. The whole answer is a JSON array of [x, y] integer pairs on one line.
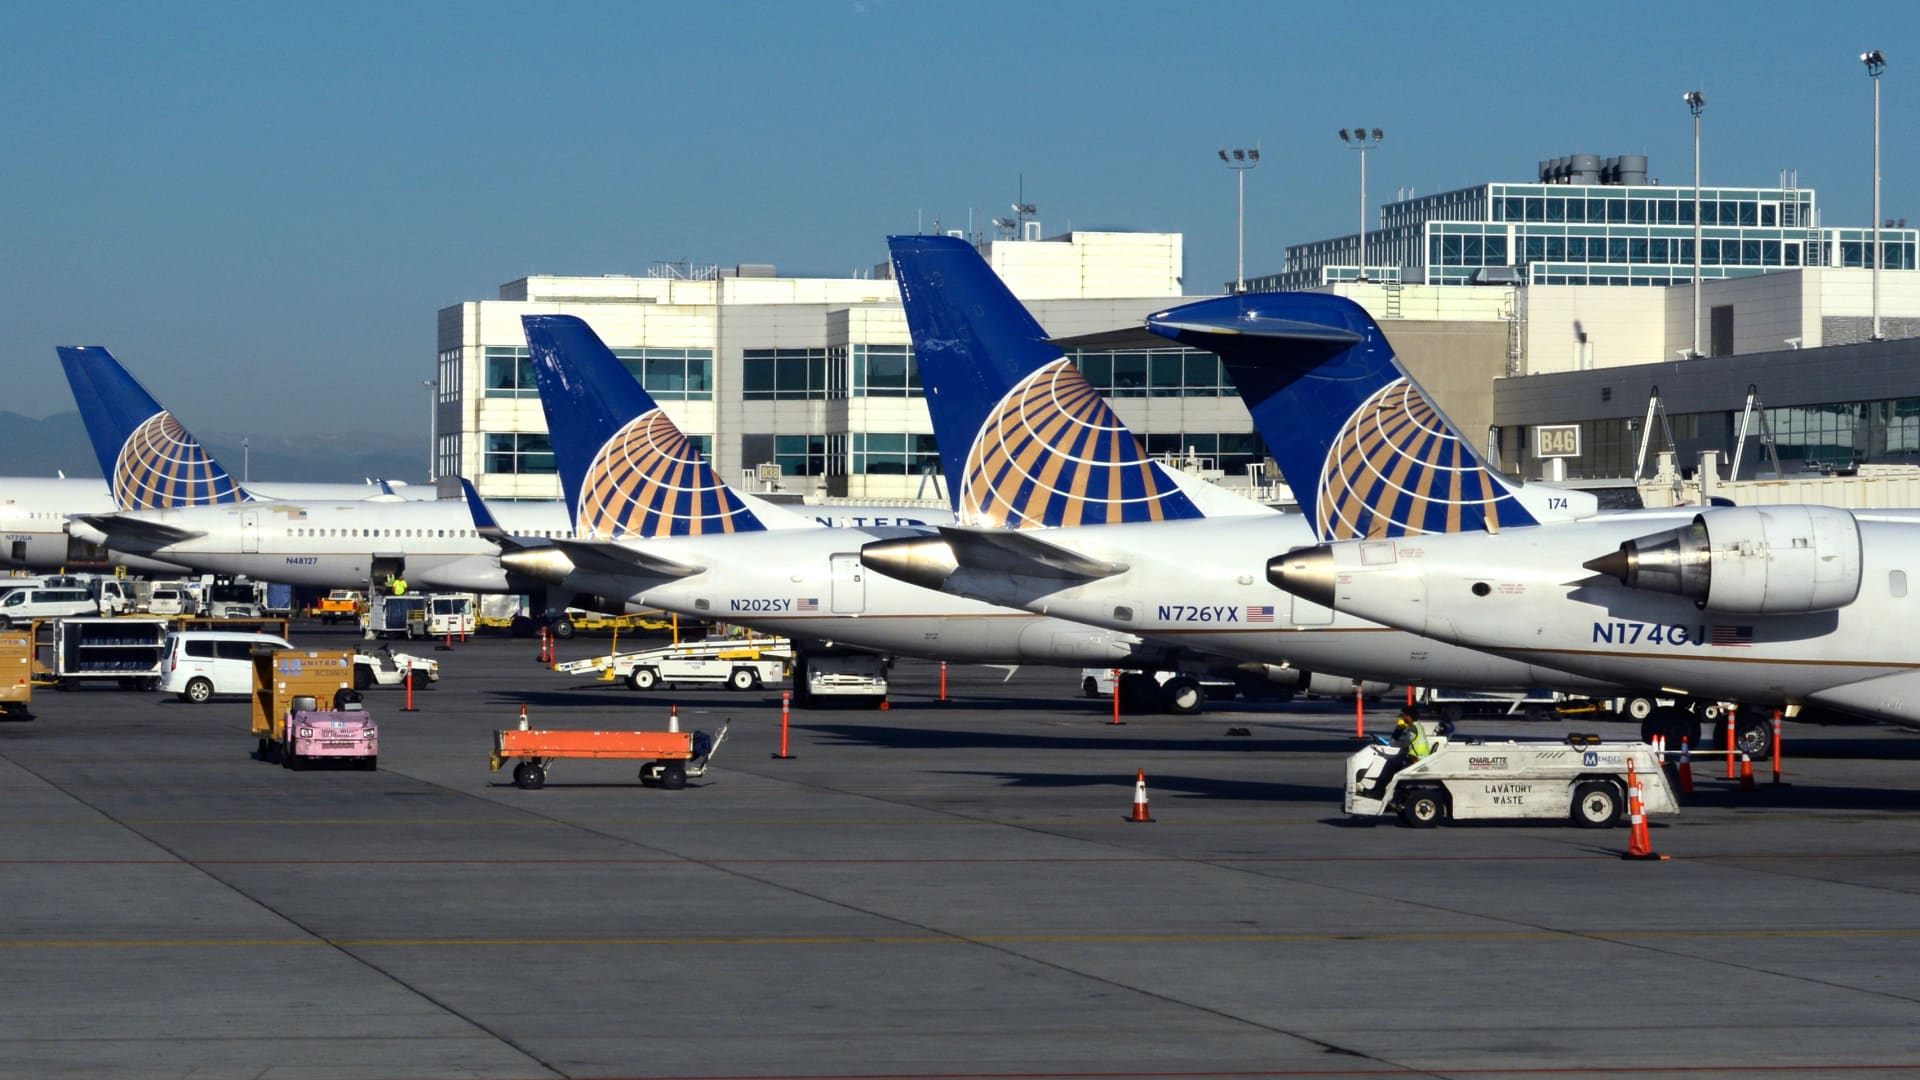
[[668, 758]]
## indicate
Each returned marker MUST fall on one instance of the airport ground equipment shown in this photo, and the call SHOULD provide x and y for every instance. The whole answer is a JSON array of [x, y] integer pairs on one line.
[[856, 677], [449, 614], [741, 663], [340, 604], [668, 758], [16, 671], [395, 616], [384, 667], [127, 650], [289, 682], [1455, 704], [1578, 778]]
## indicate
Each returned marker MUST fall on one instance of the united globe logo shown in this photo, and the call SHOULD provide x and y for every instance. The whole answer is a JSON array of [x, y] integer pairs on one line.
[[161, 466], [648, 480], [1396, 470], [1052, 453]]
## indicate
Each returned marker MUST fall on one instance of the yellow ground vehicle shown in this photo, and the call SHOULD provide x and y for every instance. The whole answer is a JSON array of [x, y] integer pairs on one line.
[[340, 604], [16, 671]]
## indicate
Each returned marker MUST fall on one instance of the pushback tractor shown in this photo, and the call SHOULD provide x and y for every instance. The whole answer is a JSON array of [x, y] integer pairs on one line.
[[1578, 779]]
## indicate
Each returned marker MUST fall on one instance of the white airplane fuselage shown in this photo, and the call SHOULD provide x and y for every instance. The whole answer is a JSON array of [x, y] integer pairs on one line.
[[809, 584], [1524, 593], [335, 544], [34, 512], [1201, 584]]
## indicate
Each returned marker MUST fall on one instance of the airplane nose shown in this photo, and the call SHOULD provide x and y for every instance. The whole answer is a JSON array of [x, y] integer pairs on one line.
[[926, 561], [1305, 572], [548, 564]]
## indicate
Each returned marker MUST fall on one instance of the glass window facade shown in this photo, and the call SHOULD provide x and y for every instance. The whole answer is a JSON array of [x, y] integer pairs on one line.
[[510, 374], [893, 455], [1155, 373], [880, 371], [519, 454], [1592, 234], [783, 374], [801, 455], [668, 374], [1229, 451], [671, 374]]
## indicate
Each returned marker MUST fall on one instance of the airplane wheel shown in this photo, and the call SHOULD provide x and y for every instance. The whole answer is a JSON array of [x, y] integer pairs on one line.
[[1754, 739], [1090, 686], [1183, 696]]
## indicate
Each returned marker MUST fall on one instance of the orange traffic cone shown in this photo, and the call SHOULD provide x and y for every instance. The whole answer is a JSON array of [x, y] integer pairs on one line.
[[523, 718], [1140, 797], [1639, 843], [1686, 767], [885, 705], [1746, 772], [673, 718]]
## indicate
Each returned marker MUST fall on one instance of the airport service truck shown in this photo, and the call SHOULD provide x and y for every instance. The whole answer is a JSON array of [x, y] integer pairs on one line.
[[1578, 779], [741, 663]]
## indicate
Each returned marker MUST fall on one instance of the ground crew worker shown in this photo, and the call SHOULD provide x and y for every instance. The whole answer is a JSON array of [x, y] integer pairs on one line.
[[399, 586], [1410, 739]]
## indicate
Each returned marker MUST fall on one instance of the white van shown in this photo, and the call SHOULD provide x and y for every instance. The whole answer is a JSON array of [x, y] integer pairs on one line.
[[168, 601], [198, 664], [22, 606]]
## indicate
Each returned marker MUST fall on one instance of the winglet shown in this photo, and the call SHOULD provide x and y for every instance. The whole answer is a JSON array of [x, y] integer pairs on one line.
[[484, 522], [149, 460]]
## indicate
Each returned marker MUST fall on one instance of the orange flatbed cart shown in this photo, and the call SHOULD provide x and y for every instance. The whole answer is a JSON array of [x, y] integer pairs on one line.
[[669, 757]]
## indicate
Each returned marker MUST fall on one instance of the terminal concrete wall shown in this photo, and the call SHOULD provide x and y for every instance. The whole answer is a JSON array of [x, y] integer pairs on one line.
[[1456, 363]]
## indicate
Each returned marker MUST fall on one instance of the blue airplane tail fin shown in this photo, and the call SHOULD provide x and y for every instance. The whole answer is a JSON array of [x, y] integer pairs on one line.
[[149, 460], [1364, 449], [625, 466], [1025, 440]]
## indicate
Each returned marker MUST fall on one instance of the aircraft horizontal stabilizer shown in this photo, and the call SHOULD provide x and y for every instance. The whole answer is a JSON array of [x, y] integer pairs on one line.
[[140, 530], [612, 557], [1021, 552]]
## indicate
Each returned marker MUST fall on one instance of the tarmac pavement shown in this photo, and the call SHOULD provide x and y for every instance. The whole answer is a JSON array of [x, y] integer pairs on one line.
[[937, 890]]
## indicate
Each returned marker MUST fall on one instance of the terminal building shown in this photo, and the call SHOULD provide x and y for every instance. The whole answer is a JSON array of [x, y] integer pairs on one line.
[[1518, 306]]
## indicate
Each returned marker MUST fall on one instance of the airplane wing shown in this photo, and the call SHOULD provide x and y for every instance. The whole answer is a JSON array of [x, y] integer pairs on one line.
[[141, 530], [613, 557], [1021, 552]]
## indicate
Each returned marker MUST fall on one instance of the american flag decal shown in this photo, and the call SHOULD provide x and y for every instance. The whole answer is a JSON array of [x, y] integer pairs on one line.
[[807, 603], [1740, 637], [1260, 613]]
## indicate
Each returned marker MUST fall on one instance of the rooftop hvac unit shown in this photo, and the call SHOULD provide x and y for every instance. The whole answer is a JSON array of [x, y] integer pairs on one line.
[[768, 471]]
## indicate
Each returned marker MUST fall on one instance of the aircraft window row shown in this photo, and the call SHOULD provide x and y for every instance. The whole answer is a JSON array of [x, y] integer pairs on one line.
[[411, 534]]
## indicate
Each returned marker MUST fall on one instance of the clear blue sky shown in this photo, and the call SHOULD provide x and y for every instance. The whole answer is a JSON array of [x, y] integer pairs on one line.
[[260, 206]]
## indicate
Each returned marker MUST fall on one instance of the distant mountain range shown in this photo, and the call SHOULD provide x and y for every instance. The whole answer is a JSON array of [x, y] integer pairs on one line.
[[58, 444]]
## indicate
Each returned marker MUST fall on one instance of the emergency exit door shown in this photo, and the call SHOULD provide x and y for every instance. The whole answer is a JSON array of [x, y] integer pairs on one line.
[[849, 584], [249, 531]]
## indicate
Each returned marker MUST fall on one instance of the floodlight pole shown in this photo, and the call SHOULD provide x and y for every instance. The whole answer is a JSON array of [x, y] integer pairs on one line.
[[1876, 63], [1358, 140], [1240, 160], [1697, 102]]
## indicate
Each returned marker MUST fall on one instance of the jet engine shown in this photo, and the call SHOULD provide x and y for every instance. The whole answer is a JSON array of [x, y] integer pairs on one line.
[[1750, 560]]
